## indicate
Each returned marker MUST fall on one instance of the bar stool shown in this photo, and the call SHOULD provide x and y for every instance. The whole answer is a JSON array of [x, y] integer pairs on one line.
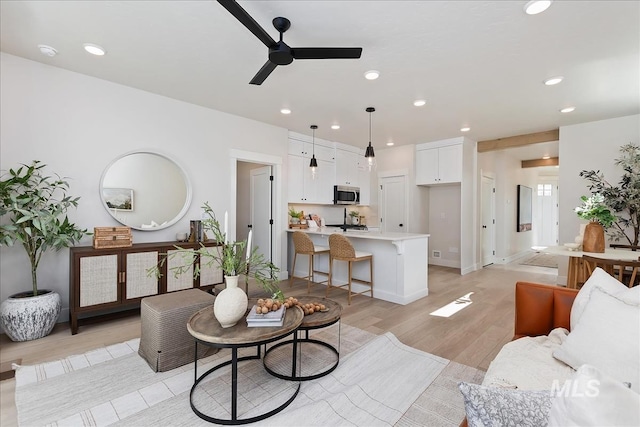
[[304, 246], [341, 249]]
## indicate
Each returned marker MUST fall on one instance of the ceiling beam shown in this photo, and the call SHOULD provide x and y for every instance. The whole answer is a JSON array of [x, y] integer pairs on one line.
[[553, 161], [518, 141]]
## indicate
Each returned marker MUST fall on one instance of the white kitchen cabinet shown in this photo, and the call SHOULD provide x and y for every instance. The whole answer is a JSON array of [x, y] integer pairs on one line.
[[324, 150], [347, 167], [438, 163], [364, 182], [302, 188]]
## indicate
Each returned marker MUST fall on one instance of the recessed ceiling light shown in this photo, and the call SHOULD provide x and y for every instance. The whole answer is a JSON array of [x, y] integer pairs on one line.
[[546, 157], [536, 6], [465, 129], [285, 111], [371, 75], [553, 80], [47, 50], [567, 109], [94, 49], [389, 143], [419, 102], [335, 127]]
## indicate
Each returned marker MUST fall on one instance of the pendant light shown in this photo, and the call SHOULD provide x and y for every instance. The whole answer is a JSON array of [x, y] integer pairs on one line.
[[369, 154], [314, 163]]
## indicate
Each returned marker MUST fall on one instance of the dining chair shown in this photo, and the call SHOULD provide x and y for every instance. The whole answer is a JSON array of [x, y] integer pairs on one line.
[[341, 249], [303, 245], [627, 272]]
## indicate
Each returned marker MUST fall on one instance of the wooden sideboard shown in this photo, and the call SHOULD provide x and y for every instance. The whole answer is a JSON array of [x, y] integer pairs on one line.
[[104, 281]]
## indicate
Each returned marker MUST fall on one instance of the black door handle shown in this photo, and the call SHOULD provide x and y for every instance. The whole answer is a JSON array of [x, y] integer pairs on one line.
[[400, 225], [250, 226], [484, 226]]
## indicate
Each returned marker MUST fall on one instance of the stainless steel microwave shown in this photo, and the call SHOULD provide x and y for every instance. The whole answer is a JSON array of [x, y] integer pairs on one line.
[[344, 195]]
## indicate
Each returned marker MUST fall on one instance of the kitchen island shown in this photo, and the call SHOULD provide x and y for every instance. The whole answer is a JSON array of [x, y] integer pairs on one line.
[[399, 262]]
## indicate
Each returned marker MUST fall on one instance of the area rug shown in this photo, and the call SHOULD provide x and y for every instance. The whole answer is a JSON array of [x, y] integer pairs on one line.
[[379, 381], [541, 260]]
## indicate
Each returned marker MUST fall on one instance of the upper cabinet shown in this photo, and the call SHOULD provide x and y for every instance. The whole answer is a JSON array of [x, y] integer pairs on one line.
[[347, 167], [439, 162], [338, 164], [303, 187]]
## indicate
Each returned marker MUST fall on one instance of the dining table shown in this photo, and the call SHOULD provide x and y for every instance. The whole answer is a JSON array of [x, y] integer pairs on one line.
[[577, 272]]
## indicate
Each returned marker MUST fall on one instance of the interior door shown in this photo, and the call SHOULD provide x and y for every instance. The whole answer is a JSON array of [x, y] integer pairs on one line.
[[393, 205], [488, 229], [547, 215], [261, 210]]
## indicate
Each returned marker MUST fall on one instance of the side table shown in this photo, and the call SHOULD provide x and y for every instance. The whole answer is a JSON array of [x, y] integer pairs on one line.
[[206, 330], [310, 322]]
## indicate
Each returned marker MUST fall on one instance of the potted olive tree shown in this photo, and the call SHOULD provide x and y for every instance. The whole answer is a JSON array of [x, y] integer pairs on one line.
[[33, 209]]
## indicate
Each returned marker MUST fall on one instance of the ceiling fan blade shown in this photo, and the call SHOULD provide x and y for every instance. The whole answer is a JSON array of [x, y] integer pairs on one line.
[[326, 52], [264, 72], [245, 19]]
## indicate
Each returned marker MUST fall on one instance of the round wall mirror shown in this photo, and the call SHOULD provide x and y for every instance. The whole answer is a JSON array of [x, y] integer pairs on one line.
[[145, 190]]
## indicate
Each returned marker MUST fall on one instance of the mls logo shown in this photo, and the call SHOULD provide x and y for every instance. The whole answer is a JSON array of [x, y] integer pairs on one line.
[[574, 389]]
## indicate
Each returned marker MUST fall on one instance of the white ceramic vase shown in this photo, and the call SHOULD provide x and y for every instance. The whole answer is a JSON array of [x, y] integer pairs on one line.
[[231, 303], [28, 318]]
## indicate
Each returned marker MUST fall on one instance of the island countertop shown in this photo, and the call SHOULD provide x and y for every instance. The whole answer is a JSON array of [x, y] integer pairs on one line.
[[361, 234]]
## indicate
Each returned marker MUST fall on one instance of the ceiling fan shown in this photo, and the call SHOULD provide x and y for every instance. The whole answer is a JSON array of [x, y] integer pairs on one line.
[[279, 52]]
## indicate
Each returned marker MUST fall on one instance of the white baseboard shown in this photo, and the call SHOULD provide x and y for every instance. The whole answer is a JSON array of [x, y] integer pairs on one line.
[[444, 262], [513, 257]]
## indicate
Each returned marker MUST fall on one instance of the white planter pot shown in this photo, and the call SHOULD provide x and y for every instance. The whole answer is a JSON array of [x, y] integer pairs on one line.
[[231, 303], [30, 318], [355, 220]]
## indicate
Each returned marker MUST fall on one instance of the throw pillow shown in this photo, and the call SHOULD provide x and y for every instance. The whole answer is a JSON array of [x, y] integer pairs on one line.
[[599, 279], [592, 398], [607, 337], [493, 406]]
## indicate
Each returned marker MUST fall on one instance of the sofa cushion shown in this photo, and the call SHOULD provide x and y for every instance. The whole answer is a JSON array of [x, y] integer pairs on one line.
[[494, 406], [607, 336], [592, 398], [598, 279], [528, 363]]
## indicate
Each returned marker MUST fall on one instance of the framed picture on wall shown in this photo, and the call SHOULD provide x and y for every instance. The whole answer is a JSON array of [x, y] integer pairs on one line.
[[525, 216], [118, 198]]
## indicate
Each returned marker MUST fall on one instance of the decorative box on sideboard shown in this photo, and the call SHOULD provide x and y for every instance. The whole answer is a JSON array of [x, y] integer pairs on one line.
[[104, 281]]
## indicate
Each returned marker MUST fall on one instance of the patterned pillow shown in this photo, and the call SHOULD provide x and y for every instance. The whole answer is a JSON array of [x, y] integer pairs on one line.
[[494, 406]]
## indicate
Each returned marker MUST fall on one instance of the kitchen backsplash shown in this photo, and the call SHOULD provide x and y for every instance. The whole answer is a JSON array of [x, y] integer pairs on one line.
[[335, 214]]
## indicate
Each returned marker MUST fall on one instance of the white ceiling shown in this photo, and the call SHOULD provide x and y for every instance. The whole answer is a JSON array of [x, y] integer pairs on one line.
[[476, 63]]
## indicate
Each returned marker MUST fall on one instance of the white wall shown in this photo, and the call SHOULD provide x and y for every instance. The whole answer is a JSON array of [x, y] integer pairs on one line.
[[444, 224], [588, 146], [77, 124]]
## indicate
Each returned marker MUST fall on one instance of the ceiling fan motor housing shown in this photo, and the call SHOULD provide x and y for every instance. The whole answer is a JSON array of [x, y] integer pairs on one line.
[[280, 54]]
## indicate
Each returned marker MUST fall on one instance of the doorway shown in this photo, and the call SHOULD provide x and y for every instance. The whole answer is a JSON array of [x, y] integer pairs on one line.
[[546, 218], [267, 205], [488, 219], [393, 204]]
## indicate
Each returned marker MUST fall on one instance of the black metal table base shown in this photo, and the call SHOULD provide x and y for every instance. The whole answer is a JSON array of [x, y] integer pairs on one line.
[[234, 388], [295, 376]]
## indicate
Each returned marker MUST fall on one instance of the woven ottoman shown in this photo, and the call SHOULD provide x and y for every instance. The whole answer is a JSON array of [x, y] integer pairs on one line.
[[165, 342]]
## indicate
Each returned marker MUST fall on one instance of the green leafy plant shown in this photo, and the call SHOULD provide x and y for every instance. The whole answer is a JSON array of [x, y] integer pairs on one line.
[[232, 258], [594, 209], [36, 206], [293, 213], [623, 199], [354, 214]]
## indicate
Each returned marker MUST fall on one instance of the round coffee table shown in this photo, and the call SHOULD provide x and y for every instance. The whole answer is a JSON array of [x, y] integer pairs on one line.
[[206, 330], [309, 322]]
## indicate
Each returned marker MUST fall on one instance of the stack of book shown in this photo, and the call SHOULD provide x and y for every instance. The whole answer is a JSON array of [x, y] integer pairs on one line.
[[268, 320]]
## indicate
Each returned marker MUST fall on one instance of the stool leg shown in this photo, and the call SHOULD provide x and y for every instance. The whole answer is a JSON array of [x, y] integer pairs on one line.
[[371, 275], [310, 273], [293, 269], [329, 278], [350, 271]]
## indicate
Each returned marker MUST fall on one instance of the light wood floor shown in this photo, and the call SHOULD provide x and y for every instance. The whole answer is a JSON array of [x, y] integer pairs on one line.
[[472, 337]]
